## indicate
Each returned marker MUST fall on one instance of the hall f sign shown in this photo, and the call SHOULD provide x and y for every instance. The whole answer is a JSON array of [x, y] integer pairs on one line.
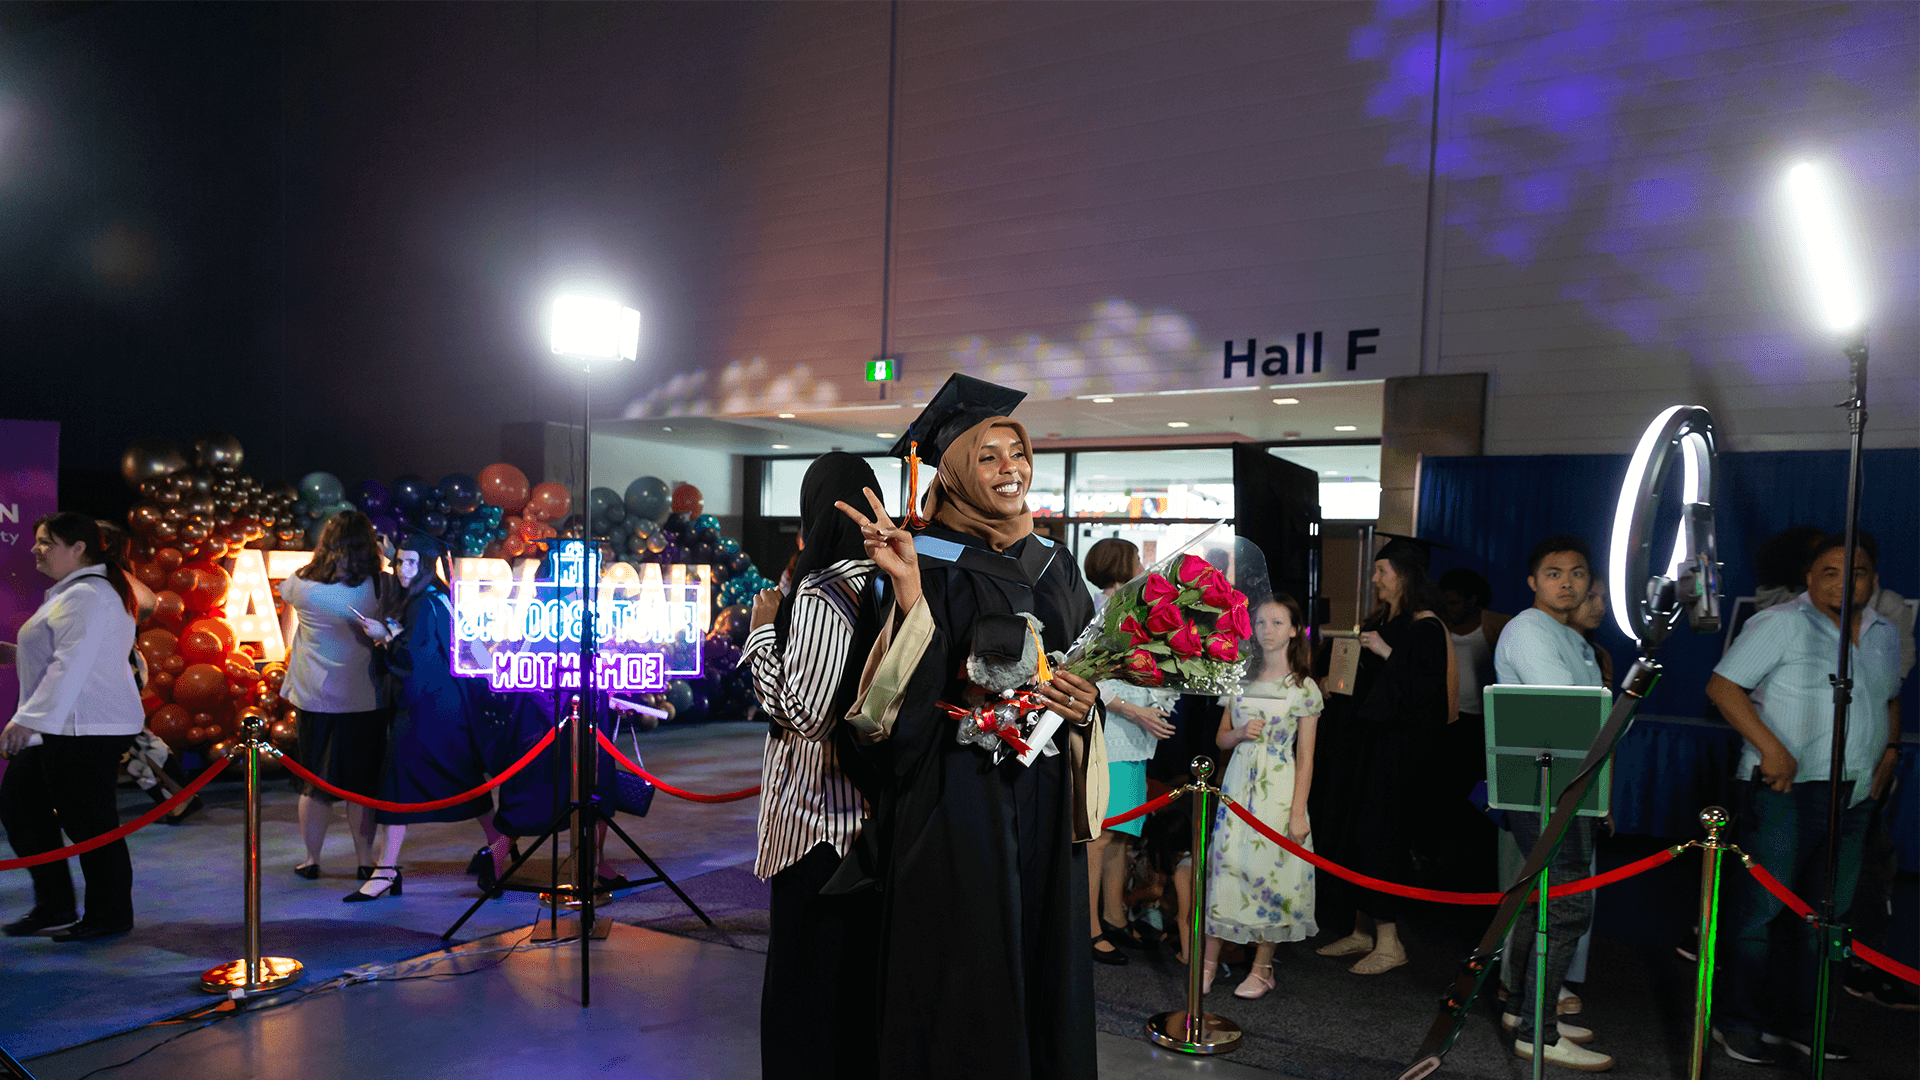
[[1273, 359]]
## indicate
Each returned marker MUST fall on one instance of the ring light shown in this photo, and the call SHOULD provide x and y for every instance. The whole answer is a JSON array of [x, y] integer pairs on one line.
[[1688, 584]]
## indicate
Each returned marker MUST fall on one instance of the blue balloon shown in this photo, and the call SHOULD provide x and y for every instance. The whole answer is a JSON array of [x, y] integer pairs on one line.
[[604, 506], [649, 498], [680, 696], [707, 521], [728, 545], [462, 493], [408, 491], [321, 489]]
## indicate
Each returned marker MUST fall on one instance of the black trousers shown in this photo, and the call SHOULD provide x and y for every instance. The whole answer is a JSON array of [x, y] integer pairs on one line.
[[817, 1001], [68, 785]]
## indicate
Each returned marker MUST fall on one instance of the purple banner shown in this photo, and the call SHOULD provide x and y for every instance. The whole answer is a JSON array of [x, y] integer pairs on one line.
[[29, 490]]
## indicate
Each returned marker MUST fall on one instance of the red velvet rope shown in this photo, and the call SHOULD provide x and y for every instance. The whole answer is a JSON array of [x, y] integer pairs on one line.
[[678, 793], [123, 831], [1438, 895], [1805, 910], [526, 759], [1143, 808]]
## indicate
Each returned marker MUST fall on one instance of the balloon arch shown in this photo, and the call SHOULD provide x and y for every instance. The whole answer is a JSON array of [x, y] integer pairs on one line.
[[205, 538]]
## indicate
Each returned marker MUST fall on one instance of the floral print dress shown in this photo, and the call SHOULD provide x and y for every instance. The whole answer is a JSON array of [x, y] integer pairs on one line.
[[1256, 891]]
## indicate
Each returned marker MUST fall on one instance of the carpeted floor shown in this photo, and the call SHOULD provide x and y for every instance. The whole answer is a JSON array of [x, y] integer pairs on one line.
[[187, 895]]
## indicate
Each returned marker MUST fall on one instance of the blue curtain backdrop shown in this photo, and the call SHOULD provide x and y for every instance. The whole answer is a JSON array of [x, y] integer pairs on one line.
[[1492, 510]]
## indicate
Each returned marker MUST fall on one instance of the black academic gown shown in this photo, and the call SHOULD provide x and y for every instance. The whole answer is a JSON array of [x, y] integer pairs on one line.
[[1370, 750], [985, 968]]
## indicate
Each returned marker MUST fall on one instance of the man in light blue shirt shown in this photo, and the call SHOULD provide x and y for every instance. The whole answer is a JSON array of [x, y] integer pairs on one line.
[[1773, 687], [1539, 647]]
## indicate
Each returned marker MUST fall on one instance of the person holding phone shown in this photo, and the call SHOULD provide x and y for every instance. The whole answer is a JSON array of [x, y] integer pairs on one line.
[[342, 720]]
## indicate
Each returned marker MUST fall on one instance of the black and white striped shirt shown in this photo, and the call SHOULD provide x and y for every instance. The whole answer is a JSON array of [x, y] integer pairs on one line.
[[804, 799]]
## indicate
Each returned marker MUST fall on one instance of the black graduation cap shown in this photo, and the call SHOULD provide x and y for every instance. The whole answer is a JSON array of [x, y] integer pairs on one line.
[[960, 406], [1420, 550], [427, 544]]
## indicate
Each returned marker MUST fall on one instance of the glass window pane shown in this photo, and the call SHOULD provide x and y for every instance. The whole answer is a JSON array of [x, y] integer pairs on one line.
[[1349, 478], [780, 484], [1147, 484]]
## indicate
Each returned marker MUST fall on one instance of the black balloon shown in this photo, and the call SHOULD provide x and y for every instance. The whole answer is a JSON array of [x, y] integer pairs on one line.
[[218, 451], [151, 459], [460, 493]]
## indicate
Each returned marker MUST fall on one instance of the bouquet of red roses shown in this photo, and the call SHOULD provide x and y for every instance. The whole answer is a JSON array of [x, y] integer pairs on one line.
[[1179, 626]]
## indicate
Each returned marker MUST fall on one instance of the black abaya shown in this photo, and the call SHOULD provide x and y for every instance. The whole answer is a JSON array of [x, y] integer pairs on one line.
[[1371, 749]]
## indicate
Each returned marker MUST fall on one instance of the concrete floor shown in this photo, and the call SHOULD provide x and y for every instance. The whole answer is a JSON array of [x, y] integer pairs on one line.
[[504, 1008]]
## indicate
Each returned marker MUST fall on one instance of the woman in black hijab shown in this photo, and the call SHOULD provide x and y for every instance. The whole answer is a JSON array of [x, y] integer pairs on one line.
[[805, 652]]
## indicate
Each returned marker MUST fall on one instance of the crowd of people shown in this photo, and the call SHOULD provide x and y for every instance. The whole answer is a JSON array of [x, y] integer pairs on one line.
[[958, 864], [915, 876]]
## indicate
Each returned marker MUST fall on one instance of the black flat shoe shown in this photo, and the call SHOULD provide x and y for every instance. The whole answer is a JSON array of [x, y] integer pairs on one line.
[[88, 931], [311, 871], [358, 897], [1111, 955], [35, 921], [1120, 935]]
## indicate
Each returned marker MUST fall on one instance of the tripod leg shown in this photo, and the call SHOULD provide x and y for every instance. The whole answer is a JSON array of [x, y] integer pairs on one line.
[[655, 867], [1458, 1004], [498, 889]]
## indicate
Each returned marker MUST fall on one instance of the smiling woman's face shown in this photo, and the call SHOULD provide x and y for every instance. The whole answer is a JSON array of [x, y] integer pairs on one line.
[[1003, 470]]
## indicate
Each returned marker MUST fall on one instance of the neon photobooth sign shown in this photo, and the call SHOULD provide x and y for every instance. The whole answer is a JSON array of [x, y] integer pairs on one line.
[[521, 631]]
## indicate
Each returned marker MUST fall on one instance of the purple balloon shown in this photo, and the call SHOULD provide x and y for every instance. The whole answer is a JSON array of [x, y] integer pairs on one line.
[[372, 498], [386, 524]]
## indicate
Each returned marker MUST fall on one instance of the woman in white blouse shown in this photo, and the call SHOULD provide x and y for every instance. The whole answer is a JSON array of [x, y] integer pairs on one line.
[[343, 718], [78, 712]]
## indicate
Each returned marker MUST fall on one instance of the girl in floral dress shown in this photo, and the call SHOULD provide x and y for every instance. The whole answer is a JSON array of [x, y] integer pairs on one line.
[[1258, 893]]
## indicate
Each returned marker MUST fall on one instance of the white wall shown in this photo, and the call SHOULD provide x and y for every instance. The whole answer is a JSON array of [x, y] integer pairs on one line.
[[1098, 195], [619, 460]]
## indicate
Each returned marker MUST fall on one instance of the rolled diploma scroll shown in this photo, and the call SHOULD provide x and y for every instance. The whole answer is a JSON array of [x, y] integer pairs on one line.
[[1042, 737]]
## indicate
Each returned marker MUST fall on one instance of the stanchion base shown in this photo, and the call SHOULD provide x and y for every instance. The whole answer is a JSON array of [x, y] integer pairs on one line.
[[274, 972], [1217, 1034]]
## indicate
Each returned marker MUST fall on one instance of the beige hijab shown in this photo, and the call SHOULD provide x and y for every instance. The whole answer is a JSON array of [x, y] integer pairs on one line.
[[962, 504]]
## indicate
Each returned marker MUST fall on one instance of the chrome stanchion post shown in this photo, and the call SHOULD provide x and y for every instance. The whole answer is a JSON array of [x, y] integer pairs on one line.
[[252, 973], [1540, 988], [1192, 1030], [1714, 819]]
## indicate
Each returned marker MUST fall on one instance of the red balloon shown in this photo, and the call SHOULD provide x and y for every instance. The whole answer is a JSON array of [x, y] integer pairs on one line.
[[150, 701], [173, 665], [168, 608], [504, 486], [218, 628], [211, 591], [240, 669], [548, 502], [157, 644], [201, 647], [168, 559], [183, 580], [200, 686], [687, 500], [151, 575], [171, 722], [162, 682], [197, 734]]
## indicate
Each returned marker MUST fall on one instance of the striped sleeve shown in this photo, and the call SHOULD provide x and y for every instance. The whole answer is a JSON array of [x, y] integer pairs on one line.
[[1759, 648], [796, 686]]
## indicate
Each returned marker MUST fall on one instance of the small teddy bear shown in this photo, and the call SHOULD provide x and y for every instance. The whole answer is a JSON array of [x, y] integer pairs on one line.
[[1005, 665]]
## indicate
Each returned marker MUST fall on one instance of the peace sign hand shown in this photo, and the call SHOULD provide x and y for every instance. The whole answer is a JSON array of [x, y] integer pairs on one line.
[[891, 548]]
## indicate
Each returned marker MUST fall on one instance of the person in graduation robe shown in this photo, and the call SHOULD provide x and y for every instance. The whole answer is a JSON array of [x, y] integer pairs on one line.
[[1373, 746], [984, 966]]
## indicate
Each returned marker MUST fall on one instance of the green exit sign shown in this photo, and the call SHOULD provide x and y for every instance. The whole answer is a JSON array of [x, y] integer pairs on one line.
[[883, 369]]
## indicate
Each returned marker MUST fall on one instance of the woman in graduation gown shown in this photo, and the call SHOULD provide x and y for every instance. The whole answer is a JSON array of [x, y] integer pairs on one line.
[[984, 965], [1372, 747]]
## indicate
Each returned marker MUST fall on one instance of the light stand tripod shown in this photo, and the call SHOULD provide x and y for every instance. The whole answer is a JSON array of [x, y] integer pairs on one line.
[[586, 329], [1687, 591], [1834, 936]]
